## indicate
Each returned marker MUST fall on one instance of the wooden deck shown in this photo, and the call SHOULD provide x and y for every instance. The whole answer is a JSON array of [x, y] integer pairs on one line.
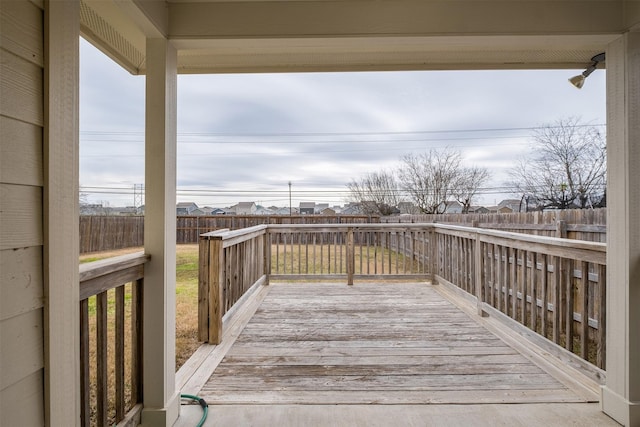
[[373, 344]]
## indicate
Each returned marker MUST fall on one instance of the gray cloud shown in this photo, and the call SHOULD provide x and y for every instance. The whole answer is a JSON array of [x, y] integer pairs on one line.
[[223, 119]]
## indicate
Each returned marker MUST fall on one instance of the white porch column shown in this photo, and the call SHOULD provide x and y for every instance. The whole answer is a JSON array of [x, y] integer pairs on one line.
[[621, 394], [161, 399], [60, 203]]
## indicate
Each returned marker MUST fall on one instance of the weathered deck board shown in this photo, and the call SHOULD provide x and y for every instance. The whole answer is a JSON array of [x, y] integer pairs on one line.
[[373, 344]]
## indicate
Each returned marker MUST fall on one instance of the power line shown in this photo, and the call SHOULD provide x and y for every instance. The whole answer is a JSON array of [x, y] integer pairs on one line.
[[297, 134]]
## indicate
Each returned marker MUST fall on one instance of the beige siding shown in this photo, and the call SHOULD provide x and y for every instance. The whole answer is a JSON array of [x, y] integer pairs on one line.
[[21, 221]]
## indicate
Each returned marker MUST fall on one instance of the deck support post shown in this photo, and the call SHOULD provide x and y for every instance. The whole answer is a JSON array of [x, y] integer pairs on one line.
[[620, 397], [161, 400]]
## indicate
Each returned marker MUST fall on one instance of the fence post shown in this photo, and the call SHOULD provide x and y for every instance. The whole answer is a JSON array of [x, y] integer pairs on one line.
[[561, 229], [216, 282], [351, 258]]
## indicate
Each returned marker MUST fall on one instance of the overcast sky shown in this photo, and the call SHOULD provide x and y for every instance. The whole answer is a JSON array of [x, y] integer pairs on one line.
[[243, 137]]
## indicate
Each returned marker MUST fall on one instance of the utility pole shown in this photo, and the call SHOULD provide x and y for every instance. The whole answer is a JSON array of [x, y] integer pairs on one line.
[[138, 195], [290, 211]]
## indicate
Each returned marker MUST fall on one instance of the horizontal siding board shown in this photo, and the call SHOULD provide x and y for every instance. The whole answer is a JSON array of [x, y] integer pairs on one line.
[[21, 216], [22, 403], [23, 335], [21, 89], [22, 282], [21, 24], [20, 153]]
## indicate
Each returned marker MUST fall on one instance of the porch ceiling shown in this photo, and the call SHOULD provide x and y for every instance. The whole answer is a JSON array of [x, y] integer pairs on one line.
[[214, 36]]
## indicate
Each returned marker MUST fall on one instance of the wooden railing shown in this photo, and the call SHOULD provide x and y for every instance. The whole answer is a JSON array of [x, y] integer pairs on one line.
[[555, 287], [231, 263], [363, 251], [111, 294]]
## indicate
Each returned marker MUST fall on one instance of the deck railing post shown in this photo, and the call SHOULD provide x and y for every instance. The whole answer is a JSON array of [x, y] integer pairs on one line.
[[351, 256], [203, 289], [216, 282]]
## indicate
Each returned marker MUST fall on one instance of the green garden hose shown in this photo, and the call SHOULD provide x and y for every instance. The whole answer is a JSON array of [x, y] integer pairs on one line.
[[201, 401]]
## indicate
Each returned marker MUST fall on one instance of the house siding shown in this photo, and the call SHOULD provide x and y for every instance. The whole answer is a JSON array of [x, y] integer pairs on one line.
[[21, 216]]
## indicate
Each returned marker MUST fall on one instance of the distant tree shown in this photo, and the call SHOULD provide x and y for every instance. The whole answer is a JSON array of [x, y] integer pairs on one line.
[[377, 193], [567, 168], [469, 182], [433, 178]]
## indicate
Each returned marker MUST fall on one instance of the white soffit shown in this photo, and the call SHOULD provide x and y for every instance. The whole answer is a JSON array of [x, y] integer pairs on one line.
[[207, 47], [388, 53]]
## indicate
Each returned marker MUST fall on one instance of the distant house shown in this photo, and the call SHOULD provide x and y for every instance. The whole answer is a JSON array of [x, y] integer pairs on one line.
[[126, 211], [408, 208], [320, 207], [328, 211], [307, 208], [513, 204], [452, 207], [205, 211], [499, 209], [185, 208], [351, 209], [246, 208], [478, 209], [261, 210], [286, 211]]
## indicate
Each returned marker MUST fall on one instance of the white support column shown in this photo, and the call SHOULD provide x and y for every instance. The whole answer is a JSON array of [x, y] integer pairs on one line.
[[161, 399], [60, 201], [621, 395]]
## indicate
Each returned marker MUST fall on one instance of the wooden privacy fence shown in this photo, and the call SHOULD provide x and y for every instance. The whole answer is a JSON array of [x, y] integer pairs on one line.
[[111, 351], [578, 224], [105, 233], [554, 287]]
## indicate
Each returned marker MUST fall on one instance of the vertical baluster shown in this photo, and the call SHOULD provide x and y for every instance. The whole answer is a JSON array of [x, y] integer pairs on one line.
[[602, 316], [278, 237], [361, 244], [101, 359], [497, 283], [514, 283], [525, 281], [321, 253], [534, 291], [584, 310], [299, 235], [544, 314], [382, 247], [136, 341], [119, 356], [569, 306], [85, 387], [557, 291]]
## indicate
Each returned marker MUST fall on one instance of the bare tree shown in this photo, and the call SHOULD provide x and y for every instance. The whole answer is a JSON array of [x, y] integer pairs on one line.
[[377, 193], [429, 178], [468, 184], [567, 168]]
